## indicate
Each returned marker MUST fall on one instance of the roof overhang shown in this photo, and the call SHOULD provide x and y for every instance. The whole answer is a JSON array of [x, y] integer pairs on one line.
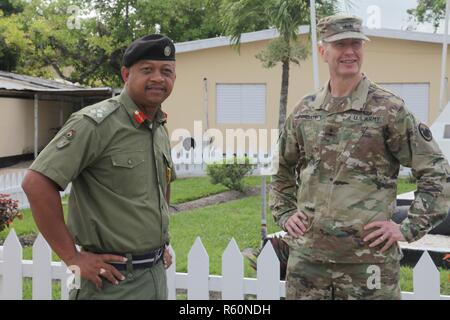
[[58, 94], [269, 34]]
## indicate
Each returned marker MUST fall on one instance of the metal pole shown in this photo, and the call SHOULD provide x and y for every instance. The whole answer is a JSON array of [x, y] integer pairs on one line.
[[61, 115], [315, 61], [263, 209], [205, 101], [36, 125], [444, 59]]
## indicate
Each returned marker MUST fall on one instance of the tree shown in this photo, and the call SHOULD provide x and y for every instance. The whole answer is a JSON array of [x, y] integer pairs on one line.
[[8, 52], [83, 41], [54, 37], [429, 11], [239, 16]]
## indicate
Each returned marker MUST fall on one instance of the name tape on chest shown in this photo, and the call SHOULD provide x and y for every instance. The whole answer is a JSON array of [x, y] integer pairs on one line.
[[309, 117]]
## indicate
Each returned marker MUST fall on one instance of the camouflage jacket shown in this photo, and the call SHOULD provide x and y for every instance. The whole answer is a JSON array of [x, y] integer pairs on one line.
[[340, 166]]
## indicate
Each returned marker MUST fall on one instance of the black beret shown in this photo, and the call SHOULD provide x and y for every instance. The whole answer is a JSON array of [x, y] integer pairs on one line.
[[151, 47]]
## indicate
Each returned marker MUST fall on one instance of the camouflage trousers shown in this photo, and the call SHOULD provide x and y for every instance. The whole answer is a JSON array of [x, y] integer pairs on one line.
[[306, 280]]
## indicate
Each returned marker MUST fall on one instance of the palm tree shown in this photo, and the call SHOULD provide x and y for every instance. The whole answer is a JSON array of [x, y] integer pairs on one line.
[[286, 16]]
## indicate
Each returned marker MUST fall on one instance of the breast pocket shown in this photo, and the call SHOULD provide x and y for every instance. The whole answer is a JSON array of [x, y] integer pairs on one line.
[[365, 150], [129, 170]]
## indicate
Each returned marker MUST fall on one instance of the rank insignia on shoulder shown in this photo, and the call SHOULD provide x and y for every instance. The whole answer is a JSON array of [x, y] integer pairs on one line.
[[425, 132], [62, 142]]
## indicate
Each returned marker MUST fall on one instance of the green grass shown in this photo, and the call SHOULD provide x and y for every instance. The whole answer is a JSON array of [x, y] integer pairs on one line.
[[406, 280], [26, 226], [216, 226], [28, 289], [188, 189], [404, 185], [182, 190]]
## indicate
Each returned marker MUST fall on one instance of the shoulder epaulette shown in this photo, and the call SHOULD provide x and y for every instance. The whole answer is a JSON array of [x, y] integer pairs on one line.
[[100, 111], [386, 92]]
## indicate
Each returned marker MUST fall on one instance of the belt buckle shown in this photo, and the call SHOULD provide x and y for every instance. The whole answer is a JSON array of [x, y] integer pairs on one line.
[[159, 253]]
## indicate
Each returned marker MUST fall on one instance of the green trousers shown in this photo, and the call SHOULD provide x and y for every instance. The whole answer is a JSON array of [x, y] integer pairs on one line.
[[306, 280], [140, 284]]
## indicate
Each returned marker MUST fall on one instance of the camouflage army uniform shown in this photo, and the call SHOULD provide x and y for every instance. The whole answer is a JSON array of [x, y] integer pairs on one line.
[[120, 168], [339, 161]]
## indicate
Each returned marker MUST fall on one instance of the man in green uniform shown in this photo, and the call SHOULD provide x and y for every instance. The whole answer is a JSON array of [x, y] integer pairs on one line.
[[116, 153], [335, 188]]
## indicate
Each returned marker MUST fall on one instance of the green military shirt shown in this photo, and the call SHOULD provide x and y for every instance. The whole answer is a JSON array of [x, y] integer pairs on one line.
[[339, 162], [119, 169]]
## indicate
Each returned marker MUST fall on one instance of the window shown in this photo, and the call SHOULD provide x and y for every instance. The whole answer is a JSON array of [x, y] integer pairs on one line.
[[447, 131], [241, 103]]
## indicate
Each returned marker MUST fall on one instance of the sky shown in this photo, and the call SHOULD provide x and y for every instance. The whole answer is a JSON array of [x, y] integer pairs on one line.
[[390, 14]]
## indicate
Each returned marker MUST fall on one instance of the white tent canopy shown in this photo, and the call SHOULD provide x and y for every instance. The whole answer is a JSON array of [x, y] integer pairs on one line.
[[441, 131]]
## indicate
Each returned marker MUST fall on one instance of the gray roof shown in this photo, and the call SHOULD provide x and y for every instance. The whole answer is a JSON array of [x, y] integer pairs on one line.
[[22, 85]]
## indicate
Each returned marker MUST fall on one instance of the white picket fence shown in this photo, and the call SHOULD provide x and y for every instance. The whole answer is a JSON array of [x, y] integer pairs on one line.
[[197, 281], [185, 165], [11, 183]]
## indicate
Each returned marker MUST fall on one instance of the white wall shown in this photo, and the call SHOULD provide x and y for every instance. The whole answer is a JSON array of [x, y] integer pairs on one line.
[[17, 124]]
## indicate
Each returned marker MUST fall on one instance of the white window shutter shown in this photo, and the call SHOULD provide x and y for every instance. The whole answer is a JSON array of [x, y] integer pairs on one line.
[[241, 103]]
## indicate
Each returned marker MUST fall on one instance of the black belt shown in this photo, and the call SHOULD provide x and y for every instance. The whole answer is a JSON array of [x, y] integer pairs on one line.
[[143, 261]]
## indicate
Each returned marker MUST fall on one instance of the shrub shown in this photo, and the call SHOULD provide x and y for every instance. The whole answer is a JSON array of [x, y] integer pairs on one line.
[[230, 174], [8, 211]]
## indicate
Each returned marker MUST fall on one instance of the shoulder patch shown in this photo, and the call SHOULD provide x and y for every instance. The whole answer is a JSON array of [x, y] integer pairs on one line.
[[100, 111], [425, 132]]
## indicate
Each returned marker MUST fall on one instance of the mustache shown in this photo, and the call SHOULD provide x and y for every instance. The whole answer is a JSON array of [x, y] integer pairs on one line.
[[153, 86]]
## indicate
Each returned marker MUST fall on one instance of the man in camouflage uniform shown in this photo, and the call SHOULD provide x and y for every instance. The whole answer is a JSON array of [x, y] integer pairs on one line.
[[116, 153], [335, 189]]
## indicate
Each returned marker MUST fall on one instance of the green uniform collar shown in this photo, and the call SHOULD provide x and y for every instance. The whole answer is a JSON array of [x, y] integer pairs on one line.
[[131, 107], [358, 96]]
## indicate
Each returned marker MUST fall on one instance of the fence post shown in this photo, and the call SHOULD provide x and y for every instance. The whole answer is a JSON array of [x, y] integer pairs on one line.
[[268, 274], [232, 273], [42, 269], [198, 272], [64, 279], [2, 182], [426, 279], [15, 178], [12, 268], [7, 181], [171, 274]]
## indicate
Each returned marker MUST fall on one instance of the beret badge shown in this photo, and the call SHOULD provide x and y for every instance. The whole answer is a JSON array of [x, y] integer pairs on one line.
[[167, 51]]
